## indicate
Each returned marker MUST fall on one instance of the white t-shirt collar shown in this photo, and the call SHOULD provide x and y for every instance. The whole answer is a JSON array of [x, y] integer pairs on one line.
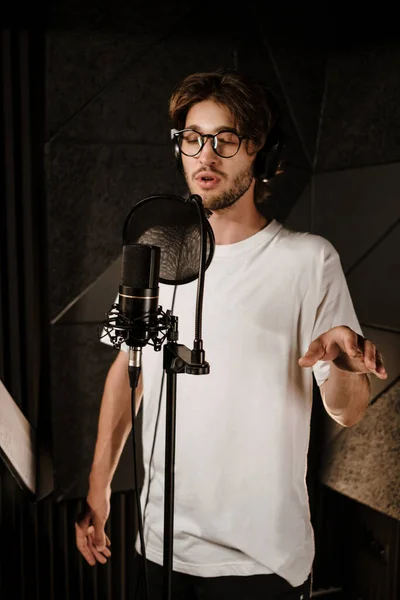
[[260, 238]]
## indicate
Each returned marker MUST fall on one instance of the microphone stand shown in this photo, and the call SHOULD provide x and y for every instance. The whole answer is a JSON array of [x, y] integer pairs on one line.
[[180, 359], [176, 359]]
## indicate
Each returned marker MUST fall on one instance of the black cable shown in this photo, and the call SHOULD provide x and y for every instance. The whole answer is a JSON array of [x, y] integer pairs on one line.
[[137, 495], [157, 419], [152, 453]]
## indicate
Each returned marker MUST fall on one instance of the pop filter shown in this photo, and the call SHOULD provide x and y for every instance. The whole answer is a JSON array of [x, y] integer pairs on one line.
[[173, 224]]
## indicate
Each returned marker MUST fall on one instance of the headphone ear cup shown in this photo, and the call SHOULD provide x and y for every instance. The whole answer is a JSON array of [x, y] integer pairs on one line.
[[268, 158], [178, 157]]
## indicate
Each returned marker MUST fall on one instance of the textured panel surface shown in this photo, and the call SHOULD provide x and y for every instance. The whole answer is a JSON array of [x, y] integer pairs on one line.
[[361, 119], [363, 461]]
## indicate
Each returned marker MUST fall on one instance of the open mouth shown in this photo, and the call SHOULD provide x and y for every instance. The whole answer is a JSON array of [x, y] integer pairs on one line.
[[207, 181]]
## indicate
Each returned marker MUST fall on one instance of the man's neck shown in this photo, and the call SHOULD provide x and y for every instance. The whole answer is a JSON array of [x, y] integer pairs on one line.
[[238, 222]]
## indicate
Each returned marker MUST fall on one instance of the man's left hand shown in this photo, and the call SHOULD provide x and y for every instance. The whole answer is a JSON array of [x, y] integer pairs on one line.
[[347, 350]]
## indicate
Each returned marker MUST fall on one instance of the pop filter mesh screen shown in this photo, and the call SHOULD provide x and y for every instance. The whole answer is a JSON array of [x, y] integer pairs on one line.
[[172, 224]]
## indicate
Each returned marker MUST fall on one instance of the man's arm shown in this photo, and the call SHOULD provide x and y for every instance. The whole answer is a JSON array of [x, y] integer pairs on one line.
[[114, 425], [346, 392], [115, 421], [345, 396]]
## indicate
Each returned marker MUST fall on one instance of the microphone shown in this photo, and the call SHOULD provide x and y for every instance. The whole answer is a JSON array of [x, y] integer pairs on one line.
[[138, 301]]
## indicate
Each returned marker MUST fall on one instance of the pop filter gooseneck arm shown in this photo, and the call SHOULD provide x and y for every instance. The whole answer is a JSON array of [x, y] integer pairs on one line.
[[198, 336], [178, 359]]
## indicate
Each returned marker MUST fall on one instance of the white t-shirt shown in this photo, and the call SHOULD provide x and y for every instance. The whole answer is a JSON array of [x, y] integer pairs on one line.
[[242, 432]]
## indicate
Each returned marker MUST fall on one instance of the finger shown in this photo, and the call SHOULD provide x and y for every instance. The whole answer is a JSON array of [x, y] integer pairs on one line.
[[380, 367], [97, 553], [352, 344], [82, 545], [315, 352], [106, 550], [370, 355]]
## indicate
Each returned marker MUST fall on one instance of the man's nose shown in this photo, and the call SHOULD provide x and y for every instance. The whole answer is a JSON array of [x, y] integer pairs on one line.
[[207, 154]]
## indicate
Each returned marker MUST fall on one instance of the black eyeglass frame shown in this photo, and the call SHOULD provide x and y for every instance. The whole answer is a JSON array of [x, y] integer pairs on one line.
[[213, 136]]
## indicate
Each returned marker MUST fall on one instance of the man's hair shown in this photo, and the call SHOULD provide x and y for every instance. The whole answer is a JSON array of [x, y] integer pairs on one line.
[[247, 101]]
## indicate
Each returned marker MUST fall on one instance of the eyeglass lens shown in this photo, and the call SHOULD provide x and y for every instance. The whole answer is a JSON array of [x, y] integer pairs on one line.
[[225, 143]]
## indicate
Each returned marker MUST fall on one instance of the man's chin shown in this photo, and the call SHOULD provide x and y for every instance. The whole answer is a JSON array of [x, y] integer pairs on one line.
[[205, 196], [210, 202]]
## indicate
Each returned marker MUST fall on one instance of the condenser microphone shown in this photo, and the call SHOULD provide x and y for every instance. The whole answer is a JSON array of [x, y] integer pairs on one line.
[[138, 301]]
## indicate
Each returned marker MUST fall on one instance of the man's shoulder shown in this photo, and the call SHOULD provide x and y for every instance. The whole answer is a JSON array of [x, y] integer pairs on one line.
[[311, 244]]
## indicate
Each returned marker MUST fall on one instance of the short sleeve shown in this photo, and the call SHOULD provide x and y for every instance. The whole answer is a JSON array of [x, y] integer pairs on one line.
[[335, 305]]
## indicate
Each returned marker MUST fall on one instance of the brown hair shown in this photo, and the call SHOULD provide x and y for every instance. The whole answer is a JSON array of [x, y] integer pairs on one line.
[[246, 100]]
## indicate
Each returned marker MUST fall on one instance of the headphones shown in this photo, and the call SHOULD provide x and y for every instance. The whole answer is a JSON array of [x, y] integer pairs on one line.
[[268, 157]]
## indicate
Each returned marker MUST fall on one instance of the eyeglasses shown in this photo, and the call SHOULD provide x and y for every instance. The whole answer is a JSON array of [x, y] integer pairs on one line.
[[224, 143]]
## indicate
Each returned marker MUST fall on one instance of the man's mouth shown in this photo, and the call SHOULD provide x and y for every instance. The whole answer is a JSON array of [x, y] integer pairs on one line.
[[207, 180]]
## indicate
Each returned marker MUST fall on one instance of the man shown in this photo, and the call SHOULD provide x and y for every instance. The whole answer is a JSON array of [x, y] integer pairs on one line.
[[276, 305]]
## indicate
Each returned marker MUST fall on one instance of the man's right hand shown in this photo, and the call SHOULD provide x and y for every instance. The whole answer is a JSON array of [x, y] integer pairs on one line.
[[91, 538]]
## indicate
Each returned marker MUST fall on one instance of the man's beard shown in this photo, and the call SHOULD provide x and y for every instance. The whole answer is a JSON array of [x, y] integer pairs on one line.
[[223, 200]]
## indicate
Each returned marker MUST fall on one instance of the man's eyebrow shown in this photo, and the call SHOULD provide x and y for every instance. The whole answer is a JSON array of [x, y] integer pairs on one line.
[[217, 130]]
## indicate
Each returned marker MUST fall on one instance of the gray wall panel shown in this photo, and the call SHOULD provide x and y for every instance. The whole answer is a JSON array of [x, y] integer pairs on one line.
[[354, 208], [361, 119], [80, 64], [91, 188], [375, 284], [135, 107]]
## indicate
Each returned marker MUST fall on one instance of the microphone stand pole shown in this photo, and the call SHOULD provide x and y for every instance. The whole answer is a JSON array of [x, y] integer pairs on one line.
[[179, 359]]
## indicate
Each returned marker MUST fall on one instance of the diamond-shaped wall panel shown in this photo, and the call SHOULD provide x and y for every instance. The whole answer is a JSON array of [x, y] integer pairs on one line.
[[93, 304], [375, 284], [354, 208]]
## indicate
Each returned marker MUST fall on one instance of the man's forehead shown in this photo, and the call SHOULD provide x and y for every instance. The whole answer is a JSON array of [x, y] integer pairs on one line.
[[209, 116], [209, 127], [209, 111]]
